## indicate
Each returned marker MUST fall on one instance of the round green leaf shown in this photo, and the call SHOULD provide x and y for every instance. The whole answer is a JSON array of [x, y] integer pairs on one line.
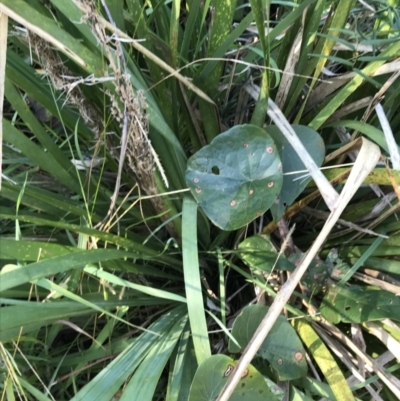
[[282, 348], [258, 252], [237, 177], [292, 186], [212, 375]]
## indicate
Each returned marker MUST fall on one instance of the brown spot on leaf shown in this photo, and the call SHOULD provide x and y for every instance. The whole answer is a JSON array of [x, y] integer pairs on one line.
[[251, 192], [198, 190], [233, 203], [298, 356], [196, 180], [270, 149], [245, 145], [270, 184], [280, 361]]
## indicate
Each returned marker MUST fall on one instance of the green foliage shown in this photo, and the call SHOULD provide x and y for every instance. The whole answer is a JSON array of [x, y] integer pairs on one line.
[[294, 184], [282, 348], [237, 177], [258, 252], [359, 304], [213, 373], [117, 292], [317, 275]]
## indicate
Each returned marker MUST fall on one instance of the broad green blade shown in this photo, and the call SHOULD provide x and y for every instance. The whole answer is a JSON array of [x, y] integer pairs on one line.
[[191, 271]]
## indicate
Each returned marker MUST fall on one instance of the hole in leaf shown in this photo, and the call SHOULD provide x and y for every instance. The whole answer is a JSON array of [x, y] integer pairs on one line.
[[228, 370], [251, 192], [233, 203], [215, 170], [347, 307]]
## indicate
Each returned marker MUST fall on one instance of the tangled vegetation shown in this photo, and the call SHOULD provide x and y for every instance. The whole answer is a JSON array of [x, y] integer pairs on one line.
[[199, 200]]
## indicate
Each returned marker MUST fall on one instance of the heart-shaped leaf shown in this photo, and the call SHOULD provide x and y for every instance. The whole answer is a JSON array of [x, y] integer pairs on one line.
[[292, 186], [237, 177], [258, 252], [212, 375], [282, 348]]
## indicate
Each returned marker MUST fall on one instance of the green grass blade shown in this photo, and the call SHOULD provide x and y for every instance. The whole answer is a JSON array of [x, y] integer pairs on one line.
[[221, 27], [144, 382], [222, 292], [191, 25], [28, 251], [23, 76], [391, 51], [260, 11], [176, 382], [360, 262], [191, 270], [104, 386], [46, 201], [325, 361], [19, 319], [13, 277], [136, 246], [33, 390], [368, 130], [38, 155], [111, 278], [49, 285], [59, 161], [340, 15]]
